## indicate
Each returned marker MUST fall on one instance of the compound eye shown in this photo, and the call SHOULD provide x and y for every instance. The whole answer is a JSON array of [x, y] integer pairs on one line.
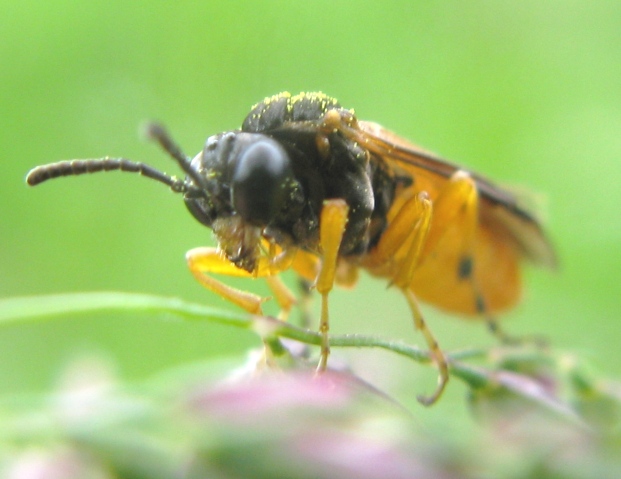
[[260, 180]]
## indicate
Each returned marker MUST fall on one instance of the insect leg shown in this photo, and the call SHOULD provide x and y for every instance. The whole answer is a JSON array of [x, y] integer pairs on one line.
[[203, 261], [457, 207], [282, 294], [432, 344], [305, 302], [499, 332], [306, 265], [331, 229], [418, 212], [278, 260], [511, 340]]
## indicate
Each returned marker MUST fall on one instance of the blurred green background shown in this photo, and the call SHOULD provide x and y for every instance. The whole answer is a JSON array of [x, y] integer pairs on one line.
[[527, 93]]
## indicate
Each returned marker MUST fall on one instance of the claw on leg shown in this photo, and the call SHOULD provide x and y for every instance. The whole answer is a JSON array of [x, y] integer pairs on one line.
[[418, 212], [434, 349]]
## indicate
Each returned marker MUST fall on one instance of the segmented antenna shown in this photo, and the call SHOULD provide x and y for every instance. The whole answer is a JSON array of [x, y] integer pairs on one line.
[[155, 132], [80, 167]]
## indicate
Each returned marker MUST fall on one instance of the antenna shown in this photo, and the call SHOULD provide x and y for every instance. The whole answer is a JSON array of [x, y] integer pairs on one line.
[[80, 167], [158, 133], [93, 165]]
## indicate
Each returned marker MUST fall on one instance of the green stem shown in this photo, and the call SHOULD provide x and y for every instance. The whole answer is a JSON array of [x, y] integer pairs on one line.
[[33, 309]]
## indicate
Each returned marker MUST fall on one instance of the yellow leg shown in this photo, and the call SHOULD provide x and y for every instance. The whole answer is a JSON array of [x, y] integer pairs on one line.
[[418, 212], [205, 261], [421, 214], [208, 260], [398, 231], [306, 265], [456, 205], [331, 227], [434, 349], [283, 295]]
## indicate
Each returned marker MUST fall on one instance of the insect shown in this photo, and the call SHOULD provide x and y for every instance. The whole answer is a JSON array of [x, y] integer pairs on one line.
[[305, 185]]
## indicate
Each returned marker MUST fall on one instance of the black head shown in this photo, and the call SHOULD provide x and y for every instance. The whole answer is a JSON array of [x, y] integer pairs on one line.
[[245, 174], [248, 175], [238, 185]]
